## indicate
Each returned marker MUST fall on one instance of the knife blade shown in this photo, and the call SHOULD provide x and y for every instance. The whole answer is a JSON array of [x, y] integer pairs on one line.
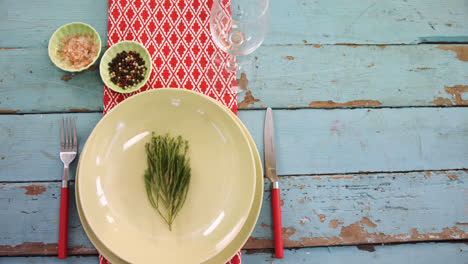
[[269, 147], [270, 172]]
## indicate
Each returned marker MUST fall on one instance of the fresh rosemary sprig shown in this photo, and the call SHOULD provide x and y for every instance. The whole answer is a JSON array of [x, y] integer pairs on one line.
[[167, 177]]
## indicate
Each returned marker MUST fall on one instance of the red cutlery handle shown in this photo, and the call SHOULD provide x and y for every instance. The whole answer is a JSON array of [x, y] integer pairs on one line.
[[63, 228], [277, 227]]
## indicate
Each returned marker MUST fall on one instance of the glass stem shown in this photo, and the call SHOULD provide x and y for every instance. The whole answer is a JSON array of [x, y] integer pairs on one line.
[[231, 64]]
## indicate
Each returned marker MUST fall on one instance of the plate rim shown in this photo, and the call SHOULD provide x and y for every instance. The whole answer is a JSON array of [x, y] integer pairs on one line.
[[259, 178], [223, 108]]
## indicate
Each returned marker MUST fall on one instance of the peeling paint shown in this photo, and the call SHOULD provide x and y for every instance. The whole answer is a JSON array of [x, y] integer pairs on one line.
[[330, 104], [67, 77], [288, 58], [441, 101], [243, 82], [340, 177], [248, 100], [456, 91], [369, 248], [347, 44], [321, 217], [79, 110], [452, 176], [366, 221], [355, 234], [464, 224], [334, 223], [8, 111], [461, 51], [34, 189], [304, 220]]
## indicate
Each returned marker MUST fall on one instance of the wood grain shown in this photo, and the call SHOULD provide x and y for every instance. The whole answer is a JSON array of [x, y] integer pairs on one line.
[[375, 208], [423, 253], [327, 76], [308, 141], [330, 76], [31, 23]]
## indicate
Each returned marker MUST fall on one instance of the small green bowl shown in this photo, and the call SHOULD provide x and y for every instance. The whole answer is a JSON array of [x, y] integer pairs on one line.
[[112, 52], [55, 43]]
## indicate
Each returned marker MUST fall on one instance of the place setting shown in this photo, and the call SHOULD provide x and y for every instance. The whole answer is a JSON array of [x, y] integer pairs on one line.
[[169, 168]]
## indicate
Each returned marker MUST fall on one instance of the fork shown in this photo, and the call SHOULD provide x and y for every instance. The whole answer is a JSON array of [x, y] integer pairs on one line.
[[68, 149]]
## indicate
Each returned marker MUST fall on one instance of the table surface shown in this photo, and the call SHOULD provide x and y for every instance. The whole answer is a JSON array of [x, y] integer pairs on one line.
[[369, 102]]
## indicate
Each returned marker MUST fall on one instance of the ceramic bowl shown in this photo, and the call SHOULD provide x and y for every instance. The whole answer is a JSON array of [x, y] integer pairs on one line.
[[59, 38], [112, 52]]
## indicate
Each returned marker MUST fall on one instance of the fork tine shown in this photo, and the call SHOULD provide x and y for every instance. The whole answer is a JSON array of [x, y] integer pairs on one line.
[[70, 141], [62, 142], [75, 139], [67, 137]]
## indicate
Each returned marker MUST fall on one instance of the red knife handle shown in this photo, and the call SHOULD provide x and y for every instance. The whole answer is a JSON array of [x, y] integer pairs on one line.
[[277, 227], [63, 228]]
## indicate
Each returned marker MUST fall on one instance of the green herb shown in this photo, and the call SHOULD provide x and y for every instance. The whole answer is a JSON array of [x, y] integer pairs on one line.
[[167, 177]]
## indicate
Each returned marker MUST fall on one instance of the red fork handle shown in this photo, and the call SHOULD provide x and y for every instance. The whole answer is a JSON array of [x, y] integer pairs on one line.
[[277, 227], [63, 228]]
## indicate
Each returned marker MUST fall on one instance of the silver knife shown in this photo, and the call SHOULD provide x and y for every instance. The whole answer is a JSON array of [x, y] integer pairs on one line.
[[270, 173]]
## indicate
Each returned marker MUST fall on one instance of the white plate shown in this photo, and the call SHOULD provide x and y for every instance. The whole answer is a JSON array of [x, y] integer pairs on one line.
[[111, 187]]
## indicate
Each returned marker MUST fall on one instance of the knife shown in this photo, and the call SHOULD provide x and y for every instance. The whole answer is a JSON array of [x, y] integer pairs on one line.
[[270, 173]]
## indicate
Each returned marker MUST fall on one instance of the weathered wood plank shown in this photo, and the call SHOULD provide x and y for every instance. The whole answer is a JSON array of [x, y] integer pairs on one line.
[[423, 253], [31, 23], [30, 82], [317, 211], [309, 141], [29, 145], [336, 141], [367, 21], [286, 76], [29, 214], [356, 209], [358, 76]]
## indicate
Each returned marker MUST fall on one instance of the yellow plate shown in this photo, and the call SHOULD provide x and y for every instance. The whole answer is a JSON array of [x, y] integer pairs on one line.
[[111, 187], [232, 248]]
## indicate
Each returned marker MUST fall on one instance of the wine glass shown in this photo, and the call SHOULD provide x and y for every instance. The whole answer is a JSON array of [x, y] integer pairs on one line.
[[238, 27]]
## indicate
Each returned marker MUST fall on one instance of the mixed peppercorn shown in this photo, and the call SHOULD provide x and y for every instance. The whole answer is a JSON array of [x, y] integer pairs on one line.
[[127, 69]]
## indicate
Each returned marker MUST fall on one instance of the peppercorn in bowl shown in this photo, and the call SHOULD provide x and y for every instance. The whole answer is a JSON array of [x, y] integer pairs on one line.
[[125, 67]]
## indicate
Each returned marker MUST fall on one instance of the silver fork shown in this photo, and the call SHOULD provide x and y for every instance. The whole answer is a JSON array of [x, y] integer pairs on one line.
[[68, 149]]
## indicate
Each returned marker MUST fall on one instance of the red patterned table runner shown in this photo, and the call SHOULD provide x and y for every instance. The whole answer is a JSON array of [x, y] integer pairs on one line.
[[177, 36]]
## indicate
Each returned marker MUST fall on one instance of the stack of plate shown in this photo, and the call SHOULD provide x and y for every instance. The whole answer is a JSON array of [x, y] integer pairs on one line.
[[225, 192]]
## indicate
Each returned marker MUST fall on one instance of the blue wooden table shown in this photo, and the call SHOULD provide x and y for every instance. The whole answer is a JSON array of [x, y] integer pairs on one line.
[[371, 122]]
